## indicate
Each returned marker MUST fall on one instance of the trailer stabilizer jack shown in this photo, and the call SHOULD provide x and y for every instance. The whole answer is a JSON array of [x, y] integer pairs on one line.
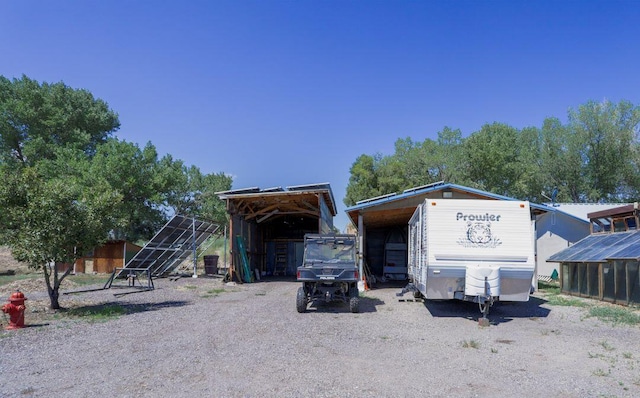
[[409, 288]]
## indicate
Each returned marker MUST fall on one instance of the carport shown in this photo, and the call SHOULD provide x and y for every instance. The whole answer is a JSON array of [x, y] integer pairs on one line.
[[382, 224], [271, 224]]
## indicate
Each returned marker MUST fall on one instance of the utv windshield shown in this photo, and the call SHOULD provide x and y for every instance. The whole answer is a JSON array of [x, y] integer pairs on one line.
[[330, 251]]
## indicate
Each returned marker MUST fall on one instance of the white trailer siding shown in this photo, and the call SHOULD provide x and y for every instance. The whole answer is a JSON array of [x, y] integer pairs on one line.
[[455, 245]]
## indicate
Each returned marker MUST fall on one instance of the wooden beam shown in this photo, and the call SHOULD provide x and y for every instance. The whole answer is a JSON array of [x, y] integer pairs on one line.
[[261, 219]]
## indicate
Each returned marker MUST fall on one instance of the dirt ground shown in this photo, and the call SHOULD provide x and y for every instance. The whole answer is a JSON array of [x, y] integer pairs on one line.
[[8, 264], [202, 337]]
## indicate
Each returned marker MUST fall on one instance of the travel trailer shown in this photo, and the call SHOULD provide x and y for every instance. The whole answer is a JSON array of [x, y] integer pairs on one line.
[[473, 250]]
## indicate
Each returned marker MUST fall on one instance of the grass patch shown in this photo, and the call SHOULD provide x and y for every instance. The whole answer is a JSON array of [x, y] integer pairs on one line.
[[78, 279], [592, 356], [6, 279], [563, 301], [99, 313], [615, 315], [612, 314], [601, 372], [212, 293], [549, 287], [470, 344], [607, 347], [554, 297], [88, 279]]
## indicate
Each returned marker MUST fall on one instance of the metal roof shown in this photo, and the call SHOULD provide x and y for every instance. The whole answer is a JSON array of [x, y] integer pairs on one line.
[[600, 248], [292, 199], [171, 245], [582, 210], [397, 208]]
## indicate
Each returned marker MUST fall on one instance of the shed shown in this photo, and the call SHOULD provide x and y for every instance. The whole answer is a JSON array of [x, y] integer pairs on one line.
[[382, 222], [104, 259], [272, 222]]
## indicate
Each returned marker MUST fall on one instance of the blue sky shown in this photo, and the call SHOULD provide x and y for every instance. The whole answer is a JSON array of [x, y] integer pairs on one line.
[[280, 93]]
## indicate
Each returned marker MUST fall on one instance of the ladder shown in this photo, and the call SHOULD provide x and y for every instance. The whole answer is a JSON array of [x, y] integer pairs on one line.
[[282, 252]]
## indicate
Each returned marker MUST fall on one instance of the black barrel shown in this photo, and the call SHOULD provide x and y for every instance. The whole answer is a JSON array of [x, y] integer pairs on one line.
[[211, 265]]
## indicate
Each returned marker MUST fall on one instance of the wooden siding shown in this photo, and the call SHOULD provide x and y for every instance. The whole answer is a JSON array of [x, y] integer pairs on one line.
[[104, 259]]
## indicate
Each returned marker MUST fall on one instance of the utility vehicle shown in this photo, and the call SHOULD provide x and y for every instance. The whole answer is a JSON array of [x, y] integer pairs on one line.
[[329, 271]]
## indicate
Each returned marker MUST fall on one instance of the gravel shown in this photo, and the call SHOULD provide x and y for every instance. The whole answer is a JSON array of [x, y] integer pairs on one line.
[[202, 337]]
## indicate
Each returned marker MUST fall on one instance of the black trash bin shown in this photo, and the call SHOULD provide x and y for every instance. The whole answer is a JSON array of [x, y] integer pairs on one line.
[[211, 265]]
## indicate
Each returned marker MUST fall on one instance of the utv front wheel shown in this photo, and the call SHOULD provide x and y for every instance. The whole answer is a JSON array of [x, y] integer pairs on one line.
[[301, 300]]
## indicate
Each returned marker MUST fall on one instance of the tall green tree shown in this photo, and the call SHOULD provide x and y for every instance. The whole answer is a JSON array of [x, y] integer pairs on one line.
[[607, 135], [53, 208], [36, 118], [133, 172], [363, 181], [595, 157], [529, 180], [67, 185], [448, 157], [186, 190], [491, 155], [561, 162]]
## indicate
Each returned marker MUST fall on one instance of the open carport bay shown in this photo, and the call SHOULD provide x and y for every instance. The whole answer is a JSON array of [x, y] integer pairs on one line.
[[200, 337]]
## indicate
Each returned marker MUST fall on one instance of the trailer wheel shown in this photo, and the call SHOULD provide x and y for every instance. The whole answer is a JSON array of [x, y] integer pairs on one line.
[[301, 300]]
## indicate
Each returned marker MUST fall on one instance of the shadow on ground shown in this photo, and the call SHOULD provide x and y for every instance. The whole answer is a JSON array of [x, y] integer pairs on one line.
[[500, 312], [117, 308], [367, 304]]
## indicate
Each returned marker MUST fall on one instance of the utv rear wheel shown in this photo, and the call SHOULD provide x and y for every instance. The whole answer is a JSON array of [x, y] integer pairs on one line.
[[354, 300], [354, 304], [301, 300]]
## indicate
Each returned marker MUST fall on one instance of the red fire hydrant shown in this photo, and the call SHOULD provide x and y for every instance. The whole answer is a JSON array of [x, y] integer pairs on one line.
[[15, 308]]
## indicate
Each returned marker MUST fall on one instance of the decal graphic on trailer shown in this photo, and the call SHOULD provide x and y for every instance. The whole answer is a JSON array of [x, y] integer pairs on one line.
[[479, 234]]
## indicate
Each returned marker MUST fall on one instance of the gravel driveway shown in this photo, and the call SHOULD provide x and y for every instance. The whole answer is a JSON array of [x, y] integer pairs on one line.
[[201, 337]]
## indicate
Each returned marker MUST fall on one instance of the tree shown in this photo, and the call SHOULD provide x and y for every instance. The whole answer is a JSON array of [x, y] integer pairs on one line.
[[595, 157], [187, 191], [363, 182], [491, 156], [529, 179], [53, 209], [561, 162], [607, 135], [133, 172], [67, 185], [37, 118], [447, 156], [48, 220]]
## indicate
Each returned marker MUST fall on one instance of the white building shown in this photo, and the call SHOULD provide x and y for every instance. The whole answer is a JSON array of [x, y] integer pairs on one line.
[[561, 227]]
